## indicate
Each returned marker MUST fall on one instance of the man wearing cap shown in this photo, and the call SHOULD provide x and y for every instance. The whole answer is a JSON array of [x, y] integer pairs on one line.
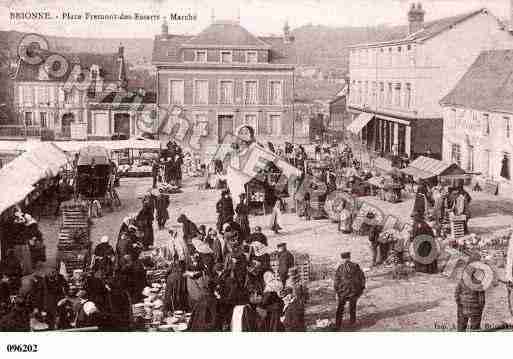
[[470, 299], [224, 209], [349, 285], [285, 262]]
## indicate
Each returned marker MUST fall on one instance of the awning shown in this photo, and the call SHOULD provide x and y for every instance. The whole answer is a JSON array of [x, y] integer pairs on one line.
[[426, 167], [360, 122]]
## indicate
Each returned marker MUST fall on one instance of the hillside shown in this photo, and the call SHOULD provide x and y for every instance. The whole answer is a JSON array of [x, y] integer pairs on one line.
[[317, 45]]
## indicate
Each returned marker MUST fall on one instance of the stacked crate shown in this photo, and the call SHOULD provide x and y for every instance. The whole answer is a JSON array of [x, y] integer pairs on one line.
[[300, 273], [74, 246], [457, 224]]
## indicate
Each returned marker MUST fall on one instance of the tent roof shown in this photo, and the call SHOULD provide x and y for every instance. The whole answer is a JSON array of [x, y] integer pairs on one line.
[[426, 167], [88, 154]]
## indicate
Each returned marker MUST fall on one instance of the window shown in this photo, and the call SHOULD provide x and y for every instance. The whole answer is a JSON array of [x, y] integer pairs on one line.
[[373, 92], [42, 119], [250, 93], [389, 93], [470, 159], [274, 124], [43, 95], [390, 57], [68, 96], [381, 93], [201, 92], [366, 93], [28, 118], [505, 166], [251, 120], [201, 56], [397, 95], [275, 96], [409, 47], [507, 126], [251, 57], [486, 124], [407, 96], [487, 167], [226, 92], [27, 94], [456, 154], [360, 98], [226, 57], [452, 122], [176, 92]]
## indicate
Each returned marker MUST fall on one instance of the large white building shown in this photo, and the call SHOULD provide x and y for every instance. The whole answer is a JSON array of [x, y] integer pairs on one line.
[[396, 85], [478, 119]]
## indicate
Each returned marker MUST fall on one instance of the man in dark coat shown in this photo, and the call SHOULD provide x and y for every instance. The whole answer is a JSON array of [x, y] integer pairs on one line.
[[190, 230], [349, 286], [470, 299], [224, 209], [205, 316], [285, 262], [144, 221], [175, 297], [155, 172], [162, 213], [374, 231]]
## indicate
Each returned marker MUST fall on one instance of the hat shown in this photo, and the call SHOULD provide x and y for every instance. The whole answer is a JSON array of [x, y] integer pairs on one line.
[[89, 308], [225, 192], [370, 215], [345, 255], [201, 247], [104, 239], [258, 229], [146, 291], [226, 226], [29, 219], [181, 218], [282, 244]]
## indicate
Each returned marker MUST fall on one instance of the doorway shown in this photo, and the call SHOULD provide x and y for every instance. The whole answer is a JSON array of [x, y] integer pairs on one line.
[[67, 120], [122, 124], [225, 126]]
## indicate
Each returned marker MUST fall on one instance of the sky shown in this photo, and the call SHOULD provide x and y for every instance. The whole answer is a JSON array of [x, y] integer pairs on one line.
[[258, 16]]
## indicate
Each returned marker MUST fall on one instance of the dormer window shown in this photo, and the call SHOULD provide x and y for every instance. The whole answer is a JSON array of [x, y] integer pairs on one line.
[[226, 57], [251, 57], [201, 56]]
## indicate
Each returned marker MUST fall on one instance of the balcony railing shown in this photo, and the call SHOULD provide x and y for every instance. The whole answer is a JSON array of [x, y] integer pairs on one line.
[[24, 132]]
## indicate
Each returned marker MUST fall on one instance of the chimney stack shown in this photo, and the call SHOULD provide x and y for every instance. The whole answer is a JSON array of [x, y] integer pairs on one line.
[[416, 18], [164, 29], [287, 36]]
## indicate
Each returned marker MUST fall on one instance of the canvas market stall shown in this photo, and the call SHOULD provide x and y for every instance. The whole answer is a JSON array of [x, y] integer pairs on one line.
[[431, 170]]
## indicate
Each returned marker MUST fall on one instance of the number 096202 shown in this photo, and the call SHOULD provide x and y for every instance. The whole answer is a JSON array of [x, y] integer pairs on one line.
[[22, 348]]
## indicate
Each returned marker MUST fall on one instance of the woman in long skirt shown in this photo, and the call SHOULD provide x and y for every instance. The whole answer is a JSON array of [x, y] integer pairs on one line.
[[241, 219]]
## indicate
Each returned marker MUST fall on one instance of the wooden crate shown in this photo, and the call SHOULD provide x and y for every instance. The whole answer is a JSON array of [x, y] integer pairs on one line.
[[302, 266]]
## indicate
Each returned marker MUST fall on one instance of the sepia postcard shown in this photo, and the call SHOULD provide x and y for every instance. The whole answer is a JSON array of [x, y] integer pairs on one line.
[[255, 166]]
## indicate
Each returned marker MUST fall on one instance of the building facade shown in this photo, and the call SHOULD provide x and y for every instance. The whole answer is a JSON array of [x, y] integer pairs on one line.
[[478, 120], [91, 108], [396, 85], [225, 77]]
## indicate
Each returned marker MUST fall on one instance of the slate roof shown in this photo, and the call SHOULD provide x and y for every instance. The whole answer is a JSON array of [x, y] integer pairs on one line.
[[226, 33], [429, 30], [223, 35], [487, 85], [110, 67]]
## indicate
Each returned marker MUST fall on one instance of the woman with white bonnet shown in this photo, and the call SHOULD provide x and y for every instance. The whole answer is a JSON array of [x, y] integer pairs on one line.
[[272, 303]]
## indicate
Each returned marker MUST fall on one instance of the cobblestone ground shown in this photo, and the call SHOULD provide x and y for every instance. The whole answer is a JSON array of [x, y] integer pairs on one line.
[[419, 303]]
